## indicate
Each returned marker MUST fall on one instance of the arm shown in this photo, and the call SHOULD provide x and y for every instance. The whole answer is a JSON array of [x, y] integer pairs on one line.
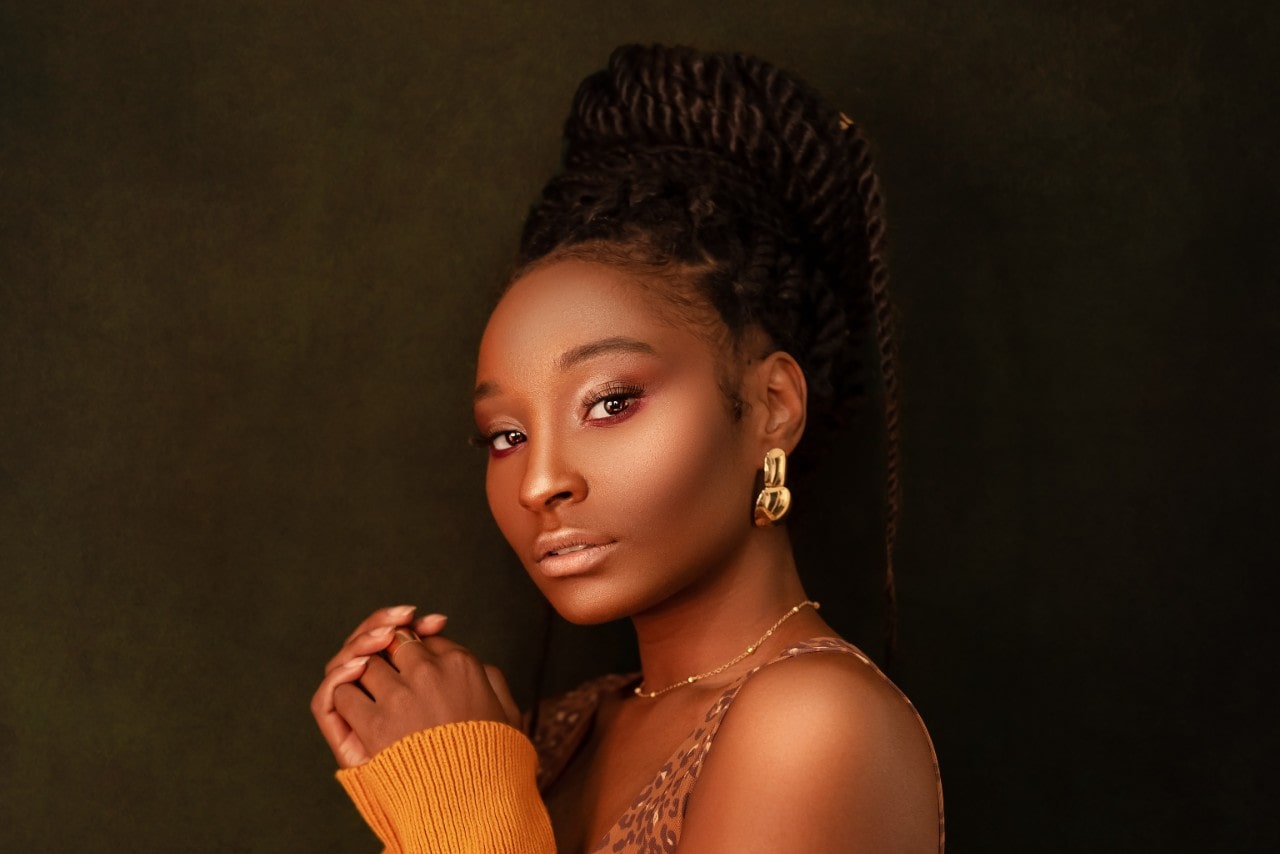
[[463, 787], [426, 744], [817, 754]]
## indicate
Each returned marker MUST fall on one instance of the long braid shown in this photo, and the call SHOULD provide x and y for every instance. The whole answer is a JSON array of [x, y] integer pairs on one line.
[[735, 170], [886, 343]]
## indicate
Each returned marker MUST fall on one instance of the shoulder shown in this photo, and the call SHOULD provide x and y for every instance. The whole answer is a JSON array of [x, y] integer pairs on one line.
[[847, 692], [829, 705], [825, 743]]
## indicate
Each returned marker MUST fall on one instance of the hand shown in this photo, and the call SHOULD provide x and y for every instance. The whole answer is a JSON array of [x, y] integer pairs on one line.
[[370, 638], [428, 684]]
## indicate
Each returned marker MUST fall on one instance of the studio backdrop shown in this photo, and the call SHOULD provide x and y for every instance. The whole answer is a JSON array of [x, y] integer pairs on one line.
[[246, 253]]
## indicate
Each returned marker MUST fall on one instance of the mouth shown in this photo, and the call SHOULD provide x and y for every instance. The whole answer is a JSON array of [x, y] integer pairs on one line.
[[571, 553], [569, 549]]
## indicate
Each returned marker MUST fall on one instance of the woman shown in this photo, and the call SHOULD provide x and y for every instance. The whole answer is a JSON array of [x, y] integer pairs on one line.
[[692, 292]]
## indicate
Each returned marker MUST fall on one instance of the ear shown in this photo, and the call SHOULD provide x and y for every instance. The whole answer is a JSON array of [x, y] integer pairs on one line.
[[779, 398]]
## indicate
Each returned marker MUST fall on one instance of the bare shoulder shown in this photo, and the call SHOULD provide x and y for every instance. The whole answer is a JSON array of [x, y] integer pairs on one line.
[[818, 752], [849, 698], [822, 707]]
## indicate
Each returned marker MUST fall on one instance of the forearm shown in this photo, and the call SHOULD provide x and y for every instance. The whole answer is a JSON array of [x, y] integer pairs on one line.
[[461, 788]]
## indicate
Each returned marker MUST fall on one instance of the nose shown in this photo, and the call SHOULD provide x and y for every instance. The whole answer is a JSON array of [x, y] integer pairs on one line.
[[550, 478]]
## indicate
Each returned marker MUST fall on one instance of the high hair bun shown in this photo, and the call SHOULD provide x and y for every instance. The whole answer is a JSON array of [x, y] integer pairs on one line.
[[731, 167], [727, 159], [738, 109]]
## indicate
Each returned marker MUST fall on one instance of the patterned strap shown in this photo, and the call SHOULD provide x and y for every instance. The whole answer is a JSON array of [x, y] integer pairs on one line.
[[565, 721]]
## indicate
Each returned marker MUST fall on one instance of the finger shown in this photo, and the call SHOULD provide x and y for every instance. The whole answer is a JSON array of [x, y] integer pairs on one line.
[[395, 616], [379, 676], [333, 726], [411, 658], [403, 638], [380, 636], [430, 624], [368, 643], [400, 637], [352, 752], [353, 706], [498, 683]]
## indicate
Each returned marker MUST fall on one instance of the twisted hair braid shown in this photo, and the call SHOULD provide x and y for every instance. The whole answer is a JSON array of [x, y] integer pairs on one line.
[[727, 168]]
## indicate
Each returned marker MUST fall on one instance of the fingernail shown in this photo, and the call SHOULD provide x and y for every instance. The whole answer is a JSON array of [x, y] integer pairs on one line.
[[358, 661], [402, 611], [435, 618], [382, 631]]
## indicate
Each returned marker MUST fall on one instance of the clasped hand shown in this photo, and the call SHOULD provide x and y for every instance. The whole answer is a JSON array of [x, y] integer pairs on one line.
[[367, 700]]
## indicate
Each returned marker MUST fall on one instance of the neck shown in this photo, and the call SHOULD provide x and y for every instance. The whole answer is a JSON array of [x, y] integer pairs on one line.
[[708, 624]]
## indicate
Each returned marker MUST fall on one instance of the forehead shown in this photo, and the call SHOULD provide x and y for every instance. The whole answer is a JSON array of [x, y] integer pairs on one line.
[[565, 304]]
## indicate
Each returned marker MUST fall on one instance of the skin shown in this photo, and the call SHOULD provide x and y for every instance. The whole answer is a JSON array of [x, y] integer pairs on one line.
[[609, 429]]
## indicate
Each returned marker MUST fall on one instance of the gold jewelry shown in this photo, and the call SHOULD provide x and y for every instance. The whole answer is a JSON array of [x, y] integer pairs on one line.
[[402, 638], [649, 695], [774, 500]]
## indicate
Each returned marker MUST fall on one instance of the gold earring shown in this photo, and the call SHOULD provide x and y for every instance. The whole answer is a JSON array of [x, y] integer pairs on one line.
[[774, 500]]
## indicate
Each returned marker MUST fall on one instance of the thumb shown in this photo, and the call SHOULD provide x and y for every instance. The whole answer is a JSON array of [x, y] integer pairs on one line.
[[351, 751]]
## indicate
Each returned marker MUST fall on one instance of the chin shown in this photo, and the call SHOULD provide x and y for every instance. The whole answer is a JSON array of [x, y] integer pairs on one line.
[[585, 604]]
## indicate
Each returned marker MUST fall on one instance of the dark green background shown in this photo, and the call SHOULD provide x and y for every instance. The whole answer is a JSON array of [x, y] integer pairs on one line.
[[246, 250]]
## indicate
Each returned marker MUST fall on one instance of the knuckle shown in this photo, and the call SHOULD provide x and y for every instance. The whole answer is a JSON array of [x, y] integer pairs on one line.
[[458, 656], [340, 692]]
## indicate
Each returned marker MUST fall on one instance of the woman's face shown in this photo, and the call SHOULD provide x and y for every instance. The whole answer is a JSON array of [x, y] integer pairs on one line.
[[616, 471]]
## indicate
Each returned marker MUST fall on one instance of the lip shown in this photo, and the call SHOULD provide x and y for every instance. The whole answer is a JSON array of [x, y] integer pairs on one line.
[[580, 552]]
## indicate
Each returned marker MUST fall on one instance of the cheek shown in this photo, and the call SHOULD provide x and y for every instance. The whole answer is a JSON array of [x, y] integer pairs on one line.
[[500, 490], [683, 469]]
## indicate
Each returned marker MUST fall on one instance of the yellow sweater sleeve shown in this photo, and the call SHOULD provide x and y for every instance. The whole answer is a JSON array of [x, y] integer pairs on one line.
[[461, 788]]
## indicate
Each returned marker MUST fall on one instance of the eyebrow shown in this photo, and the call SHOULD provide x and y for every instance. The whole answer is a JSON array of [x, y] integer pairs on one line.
[[603, 347], [577, 355]]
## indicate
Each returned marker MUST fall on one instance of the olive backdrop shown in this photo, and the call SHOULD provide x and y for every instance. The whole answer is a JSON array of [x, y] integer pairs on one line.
[[246, 251]]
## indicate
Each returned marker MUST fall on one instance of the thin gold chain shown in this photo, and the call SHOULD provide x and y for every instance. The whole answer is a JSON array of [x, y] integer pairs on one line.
[[649, 695]]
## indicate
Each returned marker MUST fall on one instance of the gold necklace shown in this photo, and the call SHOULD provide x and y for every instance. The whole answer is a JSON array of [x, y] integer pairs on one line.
[[649, 695]]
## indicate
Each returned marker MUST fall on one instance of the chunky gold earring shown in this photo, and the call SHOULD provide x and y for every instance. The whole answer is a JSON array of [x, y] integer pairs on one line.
[[774, 500]]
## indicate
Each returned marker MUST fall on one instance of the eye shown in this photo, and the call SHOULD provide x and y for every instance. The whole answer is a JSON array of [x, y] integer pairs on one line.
[[612, 402], [506, 440]]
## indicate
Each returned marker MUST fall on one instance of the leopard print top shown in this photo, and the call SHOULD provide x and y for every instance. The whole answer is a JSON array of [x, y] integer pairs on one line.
[[652, 824]]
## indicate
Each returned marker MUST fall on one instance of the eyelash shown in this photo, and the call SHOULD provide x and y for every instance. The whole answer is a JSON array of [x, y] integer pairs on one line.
[[624, 392], [481, 440]]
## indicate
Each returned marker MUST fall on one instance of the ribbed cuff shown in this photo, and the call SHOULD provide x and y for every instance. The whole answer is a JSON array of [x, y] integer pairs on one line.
[[461, 788]]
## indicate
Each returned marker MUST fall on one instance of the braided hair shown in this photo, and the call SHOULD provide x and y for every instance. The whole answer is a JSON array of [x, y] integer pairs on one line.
[[730, 172]]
